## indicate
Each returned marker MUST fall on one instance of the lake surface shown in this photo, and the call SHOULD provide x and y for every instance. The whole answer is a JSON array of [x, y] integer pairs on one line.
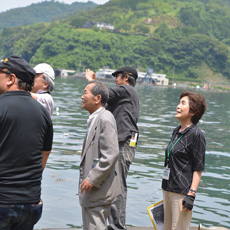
[[156, 122]]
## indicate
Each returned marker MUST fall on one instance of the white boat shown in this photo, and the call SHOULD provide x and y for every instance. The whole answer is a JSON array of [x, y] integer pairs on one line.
[[153, 78], [150, 78]]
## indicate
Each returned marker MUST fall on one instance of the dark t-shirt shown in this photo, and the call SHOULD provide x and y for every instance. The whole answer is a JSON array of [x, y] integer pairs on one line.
[[123, 103], [186, 156], [25, 131]]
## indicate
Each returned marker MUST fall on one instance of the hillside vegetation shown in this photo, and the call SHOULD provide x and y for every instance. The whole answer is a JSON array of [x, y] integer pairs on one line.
[[42, 12], [183, 37]]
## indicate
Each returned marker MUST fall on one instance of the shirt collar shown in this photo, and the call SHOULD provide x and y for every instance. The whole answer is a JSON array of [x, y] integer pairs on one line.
[[186, 130], [94, 114]]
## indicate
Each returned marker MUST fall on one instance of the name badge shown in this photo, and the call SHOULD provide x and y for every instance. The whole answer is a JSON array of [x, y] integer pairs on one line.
[[133, 141], [166, 173]]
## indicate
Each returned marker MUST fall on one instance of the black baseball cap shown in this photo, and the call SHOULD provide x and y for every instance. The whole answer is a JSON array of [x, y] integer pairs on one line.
[[20, 67], [126, 69]]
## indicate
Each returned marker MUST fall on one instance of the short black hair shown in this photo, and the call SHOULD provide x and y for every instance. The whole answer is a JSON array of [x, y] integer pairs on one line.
[[24, 86], [100, 89]]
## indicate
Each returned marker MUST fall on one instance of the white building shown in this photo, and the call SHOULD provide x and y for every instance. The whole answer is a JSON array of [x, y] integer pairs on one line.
[[102, 25]]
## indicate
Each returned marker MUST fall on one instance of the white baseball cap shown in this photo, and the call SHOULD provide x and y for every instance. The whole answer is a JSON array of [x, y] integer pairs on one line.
[[46, 69]]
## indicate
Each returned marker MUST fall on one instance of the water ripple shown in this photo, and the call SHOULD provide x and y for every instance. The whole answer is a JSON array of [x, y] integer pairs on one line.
[[156, 122]]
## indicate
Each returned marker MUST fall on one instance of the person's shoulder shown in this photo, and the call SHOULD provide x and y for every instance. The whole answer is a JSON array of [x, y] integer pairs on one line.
[[196, 132], [117, 88], [195, 128], [131, 89], [45, 95], [107, 116], [128, 89], [122, 90], [43, 111]]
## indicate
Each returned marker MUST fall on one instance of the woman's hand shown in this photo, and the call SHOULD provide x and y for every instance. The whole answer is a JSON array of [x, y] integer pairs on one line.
[[188, 203]]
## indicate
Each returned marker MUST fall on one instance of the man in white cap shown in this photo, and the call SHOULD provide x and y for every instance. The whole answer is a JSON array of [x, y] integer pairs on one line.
[[43, 86]]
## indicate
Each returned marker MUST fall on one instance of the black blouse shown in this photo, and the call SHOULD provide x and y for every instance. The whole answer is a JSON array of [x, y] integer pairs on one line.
[[186, 156]]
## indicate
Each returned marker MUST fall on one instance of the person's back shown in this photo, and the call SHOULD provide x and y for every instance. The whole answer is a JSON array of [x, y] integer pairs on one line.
[[25, 143], [24, 125], [123, 103]]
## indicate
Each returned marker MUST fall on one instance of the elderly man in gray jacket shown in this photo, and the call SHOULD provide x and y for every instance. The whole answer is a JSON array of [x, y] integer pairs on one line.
[[99, 184]]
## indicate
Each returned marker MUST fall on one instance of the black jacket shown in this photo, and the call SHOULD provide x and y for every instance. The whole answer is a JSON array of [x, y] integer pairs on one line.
[[123, 103]]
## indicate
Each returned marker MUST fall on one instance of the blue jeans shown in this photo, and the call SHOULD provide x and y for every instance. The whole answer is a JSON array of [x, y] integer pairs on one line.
[[20, 217]]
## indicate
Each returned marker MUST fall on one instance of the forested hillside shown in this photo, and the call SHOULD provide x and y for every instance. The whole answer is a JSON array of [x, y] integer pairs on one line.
[[42, 12], [187, 38]]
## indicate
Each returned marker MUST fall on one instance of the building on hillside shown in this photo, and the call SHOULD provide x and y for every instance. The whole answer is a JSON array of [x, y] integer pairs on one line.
[[100, 25], [148, 21]]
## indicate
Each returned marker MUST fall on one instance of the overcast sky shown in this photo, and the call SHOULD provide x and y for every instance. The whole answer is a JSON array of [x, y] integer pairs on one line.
[[10, 4]]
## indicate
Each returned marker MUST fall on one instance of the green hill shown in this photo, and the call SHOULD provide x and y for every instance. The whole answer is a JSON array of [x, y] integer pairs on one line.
[[42, 12], [188, 38]]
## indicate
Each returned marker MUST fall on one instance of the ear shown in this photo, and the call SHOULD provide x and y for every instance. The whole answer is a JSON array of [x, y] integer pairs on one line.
[[11, 79], [46, 85], [192, 114], [97, 99], [126, 78]]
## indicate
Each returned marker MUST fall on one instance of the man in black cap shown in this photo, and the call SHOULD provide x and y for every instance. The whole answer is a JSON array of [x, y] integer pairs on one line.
[[25, 143], [124, 104]]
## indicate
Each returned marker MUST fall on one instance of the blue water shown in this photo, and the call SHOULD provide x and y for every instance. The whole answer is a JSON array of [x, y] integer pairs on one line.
[[60, 179]]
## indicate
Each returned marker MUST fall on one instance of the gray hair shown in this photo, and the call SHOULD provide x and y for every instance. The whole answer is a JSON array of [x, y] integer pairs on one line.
[[100, 89], [50, 81]]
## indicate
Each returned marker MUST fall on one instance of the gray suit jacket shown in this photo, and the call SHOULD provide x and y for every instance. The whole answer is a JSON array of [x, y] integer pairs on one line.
[[102, 143]]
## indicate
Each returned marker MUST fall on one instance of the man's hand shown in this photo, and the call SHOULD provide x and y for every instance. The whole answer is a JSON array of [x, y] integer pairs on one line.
[[90, 75], [86, 185]]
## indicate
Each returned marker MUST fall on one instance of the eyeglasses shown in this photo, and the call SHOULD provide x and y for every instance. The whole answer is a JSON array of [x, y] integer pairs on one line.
[[3, 71]]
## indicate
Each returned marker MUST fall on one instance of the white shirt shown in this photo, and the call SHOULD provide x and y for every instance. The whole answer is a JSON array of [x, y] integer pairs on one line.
[[91, 120], [46, 100]]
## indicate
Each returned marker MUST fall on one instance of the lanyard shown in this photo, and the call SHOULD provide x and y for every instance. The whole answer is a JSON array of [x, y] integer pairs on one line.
[[169, 150]]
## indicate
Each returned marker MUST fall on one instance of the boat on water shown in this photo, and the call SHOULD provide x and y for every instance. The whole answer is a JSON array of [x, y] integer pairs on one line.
[[143, 78], [105, 74], [64, 73], [153, 79]]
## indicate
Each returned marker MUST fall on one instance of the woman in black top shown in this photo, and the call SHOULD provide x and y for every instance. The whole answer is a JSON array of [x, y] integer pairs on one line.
[[184, 163]]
